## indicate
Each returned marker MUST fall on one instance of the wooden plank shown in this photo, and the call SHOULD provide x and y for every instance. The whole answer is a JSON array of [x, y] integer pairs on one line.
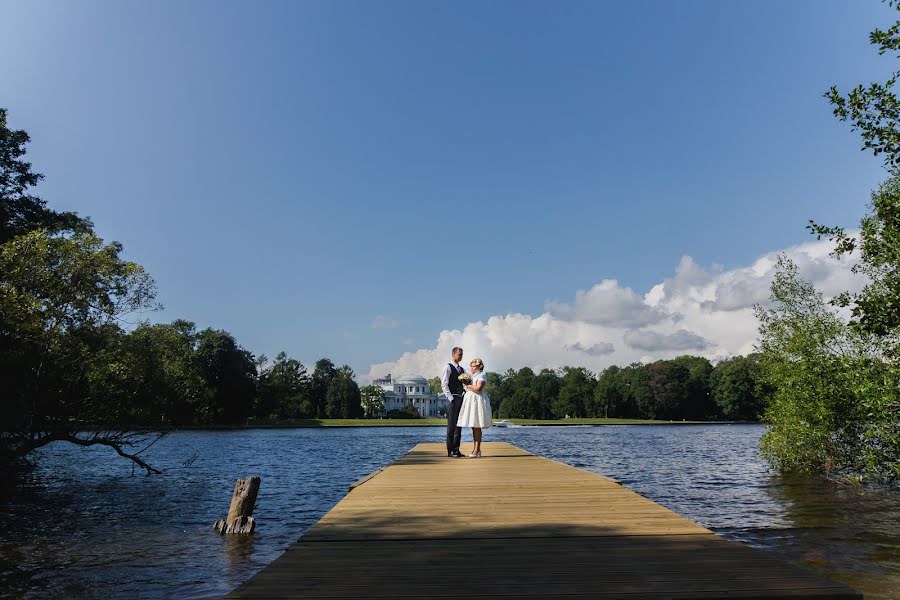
[[362, 480], [512, 524]]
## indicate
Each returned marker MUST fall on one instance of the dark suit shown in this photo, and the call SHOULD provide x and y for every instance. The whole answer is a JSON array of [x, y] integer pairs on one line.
[[454, 433]]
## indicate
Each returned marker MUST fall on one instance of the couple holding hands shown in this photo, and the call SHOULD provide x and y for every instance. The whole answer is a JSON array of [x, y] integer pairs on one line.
[[468, 404]]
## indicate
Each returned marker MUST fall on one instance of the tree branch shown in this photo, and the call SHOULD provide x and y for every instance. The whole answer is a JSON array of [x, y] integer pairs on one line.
[[115, 444]]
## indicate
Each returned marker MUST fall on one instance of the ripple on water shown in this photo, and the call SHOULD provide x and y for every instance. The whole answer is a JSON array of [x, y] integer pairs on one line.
[[86, 528]]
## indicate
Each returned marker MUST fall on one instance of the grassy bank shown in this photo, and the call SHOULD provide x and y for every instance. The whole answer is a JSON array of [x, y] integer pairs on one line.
[[269, 423]]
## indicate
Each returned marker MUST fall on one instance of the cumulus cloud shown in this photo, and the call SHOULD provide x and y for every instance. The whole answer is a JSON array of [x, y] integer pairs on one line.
[[598, 349], [607, 304], [653, 341], [703, 311], [384, 322]]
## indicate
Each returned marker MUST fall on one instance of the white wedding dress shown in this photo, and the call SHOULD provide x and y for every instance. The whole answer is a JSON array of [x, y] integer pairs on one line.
[[476, 408]]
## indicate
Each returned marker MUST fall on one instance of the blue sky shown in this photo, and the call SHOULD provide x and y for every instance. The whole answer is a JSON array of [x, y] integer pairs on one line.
[[292, 171]]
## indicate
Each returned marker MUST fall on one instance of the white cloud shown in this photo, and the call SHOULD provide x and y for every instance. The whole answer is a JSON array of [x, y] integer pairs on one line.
[[384, 322], [653, 341], [607, 304], [598, 349], [703, 311]]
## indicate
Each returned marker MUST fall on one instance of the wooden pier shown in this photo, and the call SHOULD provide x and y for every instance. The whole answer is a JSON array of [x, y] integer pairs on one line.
[[513, 524]]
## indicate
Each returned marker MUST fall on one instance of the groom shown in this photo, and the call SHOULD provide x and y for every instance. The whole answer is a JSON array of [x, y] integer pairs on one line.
[[453, 389]]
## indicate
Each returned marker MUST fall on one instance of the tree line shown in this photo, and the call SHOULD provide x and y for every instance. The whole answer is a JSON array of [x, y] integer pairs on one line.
[[687, 387]]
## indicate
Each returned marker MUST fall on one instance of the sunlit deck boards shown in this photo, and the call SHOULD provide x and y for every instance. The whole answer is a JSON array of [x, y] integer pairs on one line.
[[514, 524]]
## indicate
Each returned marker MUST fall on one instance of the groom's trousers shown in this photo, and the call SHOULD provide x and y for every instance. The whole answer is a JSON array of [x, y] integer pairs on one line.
[[454, 433]]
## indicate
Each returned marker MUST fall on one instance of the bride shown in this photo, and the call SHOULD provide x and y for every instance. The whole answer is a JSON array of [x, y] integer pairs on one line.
[[476, 407]]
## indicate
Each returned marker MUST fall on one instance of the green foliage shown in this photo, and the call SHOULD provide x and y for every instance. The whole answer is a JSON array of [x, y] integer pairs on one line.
[[229, 372], [407, 412], [876, 308], [739, 388], [677, 389], [836, 406], [283, 390], [342, 400], [576, 391], [323, 374], [372, 400], [668, 387], [874, 112], [496, 390], [546, 386], [523, 404], [159, 373], [636, 398], [61, 301], [836, 399], [698, 403], [608, 393]]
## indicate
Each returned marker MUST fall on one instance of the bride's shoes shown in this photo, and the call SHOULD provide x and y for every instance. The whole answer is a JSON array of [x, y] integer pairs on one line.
[[475, 455]]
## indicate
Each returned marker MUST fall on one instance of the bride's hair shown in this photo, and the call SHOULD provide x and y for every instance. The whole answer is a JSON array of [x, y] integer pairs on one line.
[[478, 362]]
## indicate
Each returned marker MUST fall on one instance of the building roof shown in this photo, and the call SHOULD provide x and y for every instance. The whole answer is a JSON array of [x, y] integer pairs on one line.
[[411, 380]]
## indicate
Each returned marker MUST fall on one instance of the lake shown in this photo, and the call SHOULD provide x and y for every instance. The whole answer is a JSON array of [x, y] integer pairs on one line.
[[84, 526]]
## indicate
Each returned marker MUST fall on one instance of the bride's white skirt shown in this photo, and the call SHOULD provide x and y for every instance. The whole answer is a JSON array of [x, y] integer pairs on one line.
[[475, 411]]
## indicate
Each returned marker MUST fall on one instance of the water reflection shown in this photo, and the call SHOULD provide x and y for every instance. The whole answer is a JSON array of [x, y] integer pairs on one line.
[[845, 532], [84, 527]]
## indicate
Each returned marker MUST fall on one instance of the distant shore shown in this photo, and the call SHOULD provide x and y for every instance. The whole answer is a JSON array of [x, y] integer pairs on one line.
[[308, 423]]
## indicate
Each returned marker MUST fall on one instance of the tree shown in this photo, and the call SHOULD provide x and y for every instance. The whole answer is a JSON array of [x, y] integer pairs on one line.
[[496, 390], [635, 392], [874, 112], [668, 389], [876, 308], [523, 404], [608, 394], [835, 400], [323, 374], [575, 393], [230, 375], [698, 402], [546, 386], [435, 384], [61, 301], [342, 400], [739, 388], [407, 412], [284, 390], [372, 399], [20, 210], [167, 385]]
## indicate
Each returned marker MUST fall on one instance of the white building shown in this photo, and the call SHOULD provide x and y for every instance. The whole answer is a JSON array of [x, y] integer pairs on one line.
[[411, 389]]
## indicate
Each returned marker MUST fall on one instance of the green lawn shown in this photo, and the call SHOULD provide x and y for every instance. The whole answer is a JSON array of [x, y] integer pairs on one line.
[[346, 422], [596, 422], [433, 422]]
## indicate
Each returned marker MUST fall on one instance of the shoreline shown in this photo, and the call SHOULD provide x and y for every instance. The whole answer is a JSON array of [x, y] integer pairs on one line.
[[350, 423]]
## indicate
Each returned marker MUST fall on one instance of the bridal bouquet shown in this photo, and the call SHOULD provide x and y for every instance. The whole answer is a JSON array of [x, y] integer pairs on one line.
[[464, 377]]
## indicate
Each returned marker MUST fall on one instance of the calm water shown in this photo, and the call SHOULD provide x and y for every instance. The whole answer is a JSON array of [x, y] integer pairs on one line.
[[84, 527]]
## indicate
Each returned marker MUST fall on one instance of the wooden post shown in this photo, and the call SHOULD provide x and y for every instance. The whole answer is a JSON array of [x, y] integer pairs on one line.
[[242, 502]]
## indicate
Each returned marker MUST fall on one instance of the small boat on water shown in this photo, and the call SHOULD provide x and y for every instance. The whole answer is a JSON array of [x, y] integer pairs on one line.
[[503, 423]]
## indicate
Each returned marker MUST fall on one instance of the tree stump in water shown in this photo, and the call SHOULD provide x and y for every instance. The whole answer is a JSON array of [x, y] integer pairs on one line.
[[242, 503]]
